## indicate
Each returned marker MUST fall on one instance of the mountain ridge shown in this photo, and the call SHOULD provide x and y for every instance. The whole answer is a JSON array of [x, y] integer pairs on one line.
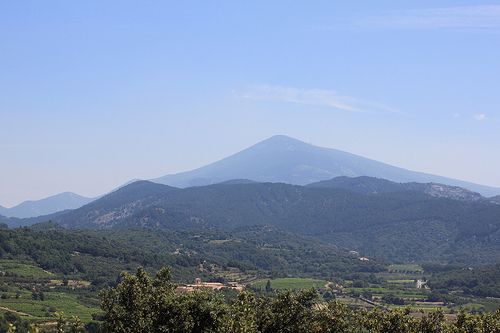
[[276, 159], [371, 185], [52, 204], [400, 226], [284, 159]]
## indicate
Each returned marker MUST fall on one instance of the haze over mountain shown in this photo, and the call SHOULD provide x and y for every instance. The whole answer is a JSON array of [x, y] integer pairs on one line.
[[284, 159], [52, 204], [277, 159]]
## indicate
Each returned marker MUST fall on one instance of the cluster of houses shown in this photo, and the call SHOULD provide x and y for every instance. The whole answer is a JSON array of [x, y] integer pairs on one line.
[[356, 254], [213, 285]]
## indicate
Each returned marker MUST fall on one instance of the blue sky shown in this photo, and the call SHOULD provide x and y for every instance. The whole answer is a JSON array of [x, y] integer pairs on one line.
[[96, 93]]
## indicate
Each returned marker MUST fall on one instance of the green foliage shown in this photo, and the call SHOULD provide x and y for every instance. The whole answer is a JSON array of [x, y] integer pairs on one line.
[[23, 269], [287, 312], [401, 226], [290, 283], [480, 281], [96, 259], [141, 304], [432, 267], [249, 248], [268, 286], [46, 226], [242, 317], [336, 317], [189, 312], [60, 321], [11, 322], [44, 272], [466, 322]]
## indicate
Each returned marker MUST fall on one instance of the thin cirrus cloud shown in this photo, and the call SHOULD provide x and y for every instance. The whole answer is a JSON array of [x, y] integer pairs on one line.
[[315, 97], [480, 117], [480, 17]]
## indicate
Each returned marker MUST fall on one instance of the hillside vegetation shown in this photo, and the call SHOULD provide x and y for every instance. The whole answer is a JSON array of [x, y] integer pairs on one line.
[[408, 226], [98, 260], [260, 246], [47, 268], [142, 304], [480, 281]]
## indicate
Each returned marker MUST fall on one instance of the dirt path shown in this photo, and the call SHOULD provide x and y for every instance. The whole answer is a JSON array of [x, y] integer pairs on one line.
[[14, 311]]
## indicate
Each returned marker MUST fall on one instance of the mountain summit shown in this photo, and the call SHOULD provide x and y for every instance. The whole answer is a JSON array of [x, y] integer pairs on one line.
[[284, 159], [52, 204]]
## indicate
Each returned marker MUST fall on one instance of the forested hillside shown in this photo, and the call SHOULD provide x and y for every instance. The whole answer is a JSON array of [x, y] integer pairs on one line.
[[265, 247], [371, 185], [480, 281], [91, 258], [408, 226], [48, 268]]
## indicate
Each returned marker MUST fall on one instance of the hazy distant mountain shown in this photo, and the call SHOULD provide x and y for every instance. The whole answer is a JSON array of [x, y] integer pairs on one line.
[[16, 222], [238, 181], [277, 159], [107, 211], [283, 159], [52, 204]]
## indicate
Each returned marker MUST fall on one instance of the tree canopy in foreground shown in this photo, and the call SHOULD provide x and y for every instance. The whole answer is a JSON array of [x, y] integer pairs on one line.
[[143, 304]]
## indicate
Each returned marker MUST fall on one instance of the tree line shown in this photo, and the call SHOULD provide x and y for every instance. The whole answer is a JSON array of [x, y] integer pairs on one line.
[[480, 281]]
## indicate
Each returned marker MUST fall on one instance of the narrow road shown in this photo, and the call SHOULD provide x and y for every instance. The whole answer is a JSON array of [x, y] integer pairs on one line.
[[14, 311]]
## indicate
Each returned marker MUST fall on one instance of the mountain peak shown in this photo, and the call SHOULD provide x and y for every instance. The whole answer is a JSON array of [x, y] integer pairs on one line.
[[55, 203], [281, 142], [284, 159], [284, 139]]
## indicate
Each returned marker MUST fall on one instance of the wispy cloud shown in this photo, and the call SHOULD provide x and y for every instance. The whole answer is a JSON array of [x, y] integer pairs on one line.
[[480, 17], [480, 117], [315, 97]]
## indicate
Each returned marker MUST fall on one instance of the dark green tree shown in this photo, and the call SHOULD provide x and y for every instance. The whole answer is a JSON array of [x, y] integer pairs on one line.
[[288, 312], [268, 286], [243, 315], [135, 305], [336, 317], [141, 304]]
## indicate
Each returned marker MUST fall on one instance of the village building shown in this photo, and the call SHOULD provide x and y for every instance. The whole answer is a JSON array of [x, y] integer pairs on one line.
[[212, 285]]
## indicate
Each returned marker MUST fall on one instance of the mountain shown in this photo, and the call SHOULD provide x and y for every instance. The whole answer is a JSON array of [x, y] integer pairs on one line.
[[283, 159], [52, 204], [402, 226], [104, 212], [371, 185], [277, 159], [16, 222]]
